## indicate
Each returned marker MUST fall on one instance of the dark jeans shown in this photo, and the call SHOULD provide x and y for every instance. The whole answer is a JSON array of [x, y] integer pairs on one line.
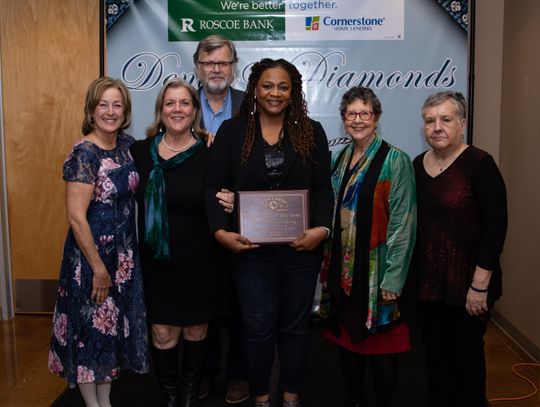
[[276, 286], [454, 343]]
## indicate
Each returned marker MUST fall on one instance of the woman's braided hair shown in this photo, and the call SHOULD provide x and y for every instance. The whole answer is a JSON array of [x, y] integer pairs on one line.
[[296, 121]]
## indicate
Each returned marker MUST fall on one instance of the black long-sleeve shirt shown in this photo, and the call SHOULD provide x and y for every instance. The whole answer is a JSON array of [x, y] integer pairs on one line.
[[462, 220]]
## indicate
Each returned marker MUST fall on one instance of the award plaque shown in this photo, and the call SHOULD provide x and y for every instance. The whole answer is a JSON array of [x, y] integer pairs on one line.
[[275, 216]]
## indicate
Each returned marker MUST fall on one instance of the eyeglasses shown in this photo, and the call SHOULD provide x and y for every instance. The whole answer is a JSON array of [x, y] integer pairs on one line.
[[209, 65], [365, 115]]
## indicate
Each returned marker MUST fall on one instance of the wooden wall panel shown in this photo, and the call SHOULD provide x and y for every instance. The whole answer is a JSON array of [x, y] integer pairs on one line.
[[50, 53]]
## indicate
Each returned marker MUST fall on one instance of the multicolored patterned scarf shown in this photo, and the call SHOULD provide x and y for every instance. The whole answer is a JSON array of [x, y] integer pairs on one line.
[[378, 313], [156, 222]]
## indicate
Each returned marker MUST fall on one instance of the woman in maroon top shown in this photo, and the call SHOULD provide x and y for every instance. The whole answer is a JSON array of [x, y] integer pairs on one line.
[[461, 230]]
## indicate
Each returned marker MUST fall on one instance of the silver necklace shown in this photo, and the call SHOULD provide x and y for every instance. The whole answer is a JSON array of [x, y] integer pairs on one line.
[[177, 150], [447, 161]]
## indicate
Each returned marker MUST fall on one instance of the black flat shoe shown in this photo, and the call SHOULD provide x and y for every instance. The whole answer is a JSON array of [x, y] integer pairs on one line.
[[355, 403]]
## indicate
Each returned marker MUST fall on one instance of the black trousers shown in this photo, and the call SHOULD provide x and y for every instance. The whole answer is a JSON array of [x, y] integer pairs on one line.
[[454, 343], [384, 373], [235, 365]]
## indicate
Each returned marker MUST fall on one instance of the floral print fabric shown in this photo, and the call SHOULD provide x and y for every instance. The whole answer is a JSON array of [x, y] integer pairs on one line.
[[91, 342]]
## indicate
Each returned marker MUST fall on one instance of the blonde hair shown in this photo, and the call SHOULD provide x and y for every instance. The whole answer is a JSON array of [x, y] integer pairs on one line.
[[94, 94], [157, 124]]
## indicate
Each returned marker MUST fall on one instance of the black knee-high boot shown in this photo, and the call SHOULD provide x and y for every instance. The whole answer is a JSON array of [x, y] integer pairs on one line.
[[193, 363], [384, 370], [167, 373], [353, 366]]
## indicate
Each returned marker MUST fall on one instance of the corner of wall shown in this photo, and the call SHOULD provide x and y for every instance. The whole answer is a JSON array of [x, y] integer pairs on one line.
[[488, 59]]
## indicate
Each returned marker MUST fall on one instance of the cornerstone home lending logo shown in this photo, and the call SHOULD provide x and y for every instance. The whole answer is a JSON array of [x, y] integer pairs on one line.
[[312, 23]]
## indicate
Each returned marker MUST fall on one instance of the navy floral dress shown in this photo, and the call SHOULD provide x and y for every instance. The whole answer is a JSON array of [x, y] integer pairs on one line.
[[91, 342]]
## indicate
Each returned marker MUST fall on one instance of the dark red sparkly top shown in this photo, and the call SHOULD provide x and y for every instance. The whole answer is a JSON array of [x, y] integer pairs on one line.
[[462, 223]]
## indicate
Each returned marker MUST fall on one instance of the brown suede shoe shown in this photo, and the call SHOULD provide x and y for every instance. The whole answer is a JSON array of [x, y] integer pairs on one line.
[[237, 392]]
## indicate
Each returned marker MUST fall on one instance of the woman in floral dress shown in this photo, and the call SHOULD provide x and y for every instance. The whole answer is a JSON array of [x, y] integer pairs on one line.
[[99, 324]]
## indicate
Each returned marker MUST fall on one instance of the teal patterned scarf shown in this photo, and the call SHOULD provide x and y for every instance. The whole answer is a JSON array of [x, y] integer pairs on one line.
[[156, 232], [378, 312]]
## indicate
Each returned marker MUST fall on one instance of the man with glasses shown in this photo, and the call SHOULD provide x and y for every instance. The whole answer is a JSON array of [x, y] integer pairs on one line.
[[215, 61]]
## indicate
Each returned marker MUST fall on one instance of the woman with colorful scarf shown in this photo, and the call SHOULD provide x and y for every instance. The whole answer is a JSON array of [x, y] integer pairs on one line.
[[367, 257], [178, 254]]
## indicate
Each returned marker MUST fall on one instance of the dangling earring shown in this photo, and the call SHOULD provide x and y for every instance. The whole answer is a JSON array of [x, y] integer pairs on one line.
[[161, 127], [92, 120], [292, 114], [254, 105]]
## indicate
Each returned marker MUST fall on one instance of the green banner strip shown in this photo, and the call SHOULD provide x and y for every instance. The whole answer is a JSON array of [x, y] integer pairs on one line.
[[254, 20]]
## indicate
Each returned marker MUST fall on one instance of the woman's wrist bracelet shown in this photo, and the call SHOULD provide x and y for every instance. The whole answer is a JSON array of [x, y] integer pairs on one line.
[[479, 290], [327, 231]]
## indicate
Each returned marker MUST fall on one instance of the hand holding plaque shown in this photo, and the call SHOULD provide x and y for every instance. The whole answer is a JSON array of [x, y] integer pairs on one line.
[[274, 216]]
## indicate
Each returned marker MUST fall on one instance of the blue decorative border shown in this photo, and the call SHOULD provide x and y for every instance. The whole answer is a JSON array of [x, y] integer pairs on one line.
[[458, 10], [114, 9]]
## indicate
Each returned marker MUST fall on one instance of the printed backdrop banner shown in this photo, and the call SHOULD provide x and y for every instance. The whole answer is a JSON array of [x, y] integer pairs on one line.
[[403, 49], [192, 20]]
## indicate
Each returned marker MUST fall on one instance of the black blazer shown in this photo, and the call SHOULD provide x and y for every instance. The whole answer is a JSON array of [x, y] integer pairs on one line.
[[237, 96], [226, 171]]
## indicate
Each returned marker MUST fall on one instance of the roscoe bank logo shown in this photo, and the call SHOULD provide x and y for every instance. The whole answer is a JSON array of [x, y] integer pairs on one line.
[[186, 24], [312, 23]]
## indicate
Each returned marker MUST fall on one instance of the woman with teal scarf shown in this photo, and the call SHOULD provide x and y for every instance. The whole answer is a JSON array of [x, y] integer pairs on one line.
[[367, 258], [178, 254]]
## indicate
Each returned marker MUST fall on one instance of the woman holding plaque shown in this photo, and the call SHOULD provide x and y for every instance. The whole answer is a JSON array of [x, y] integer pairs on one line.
[[367, 258], [273, 145], [183, 282], [462, 224]]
